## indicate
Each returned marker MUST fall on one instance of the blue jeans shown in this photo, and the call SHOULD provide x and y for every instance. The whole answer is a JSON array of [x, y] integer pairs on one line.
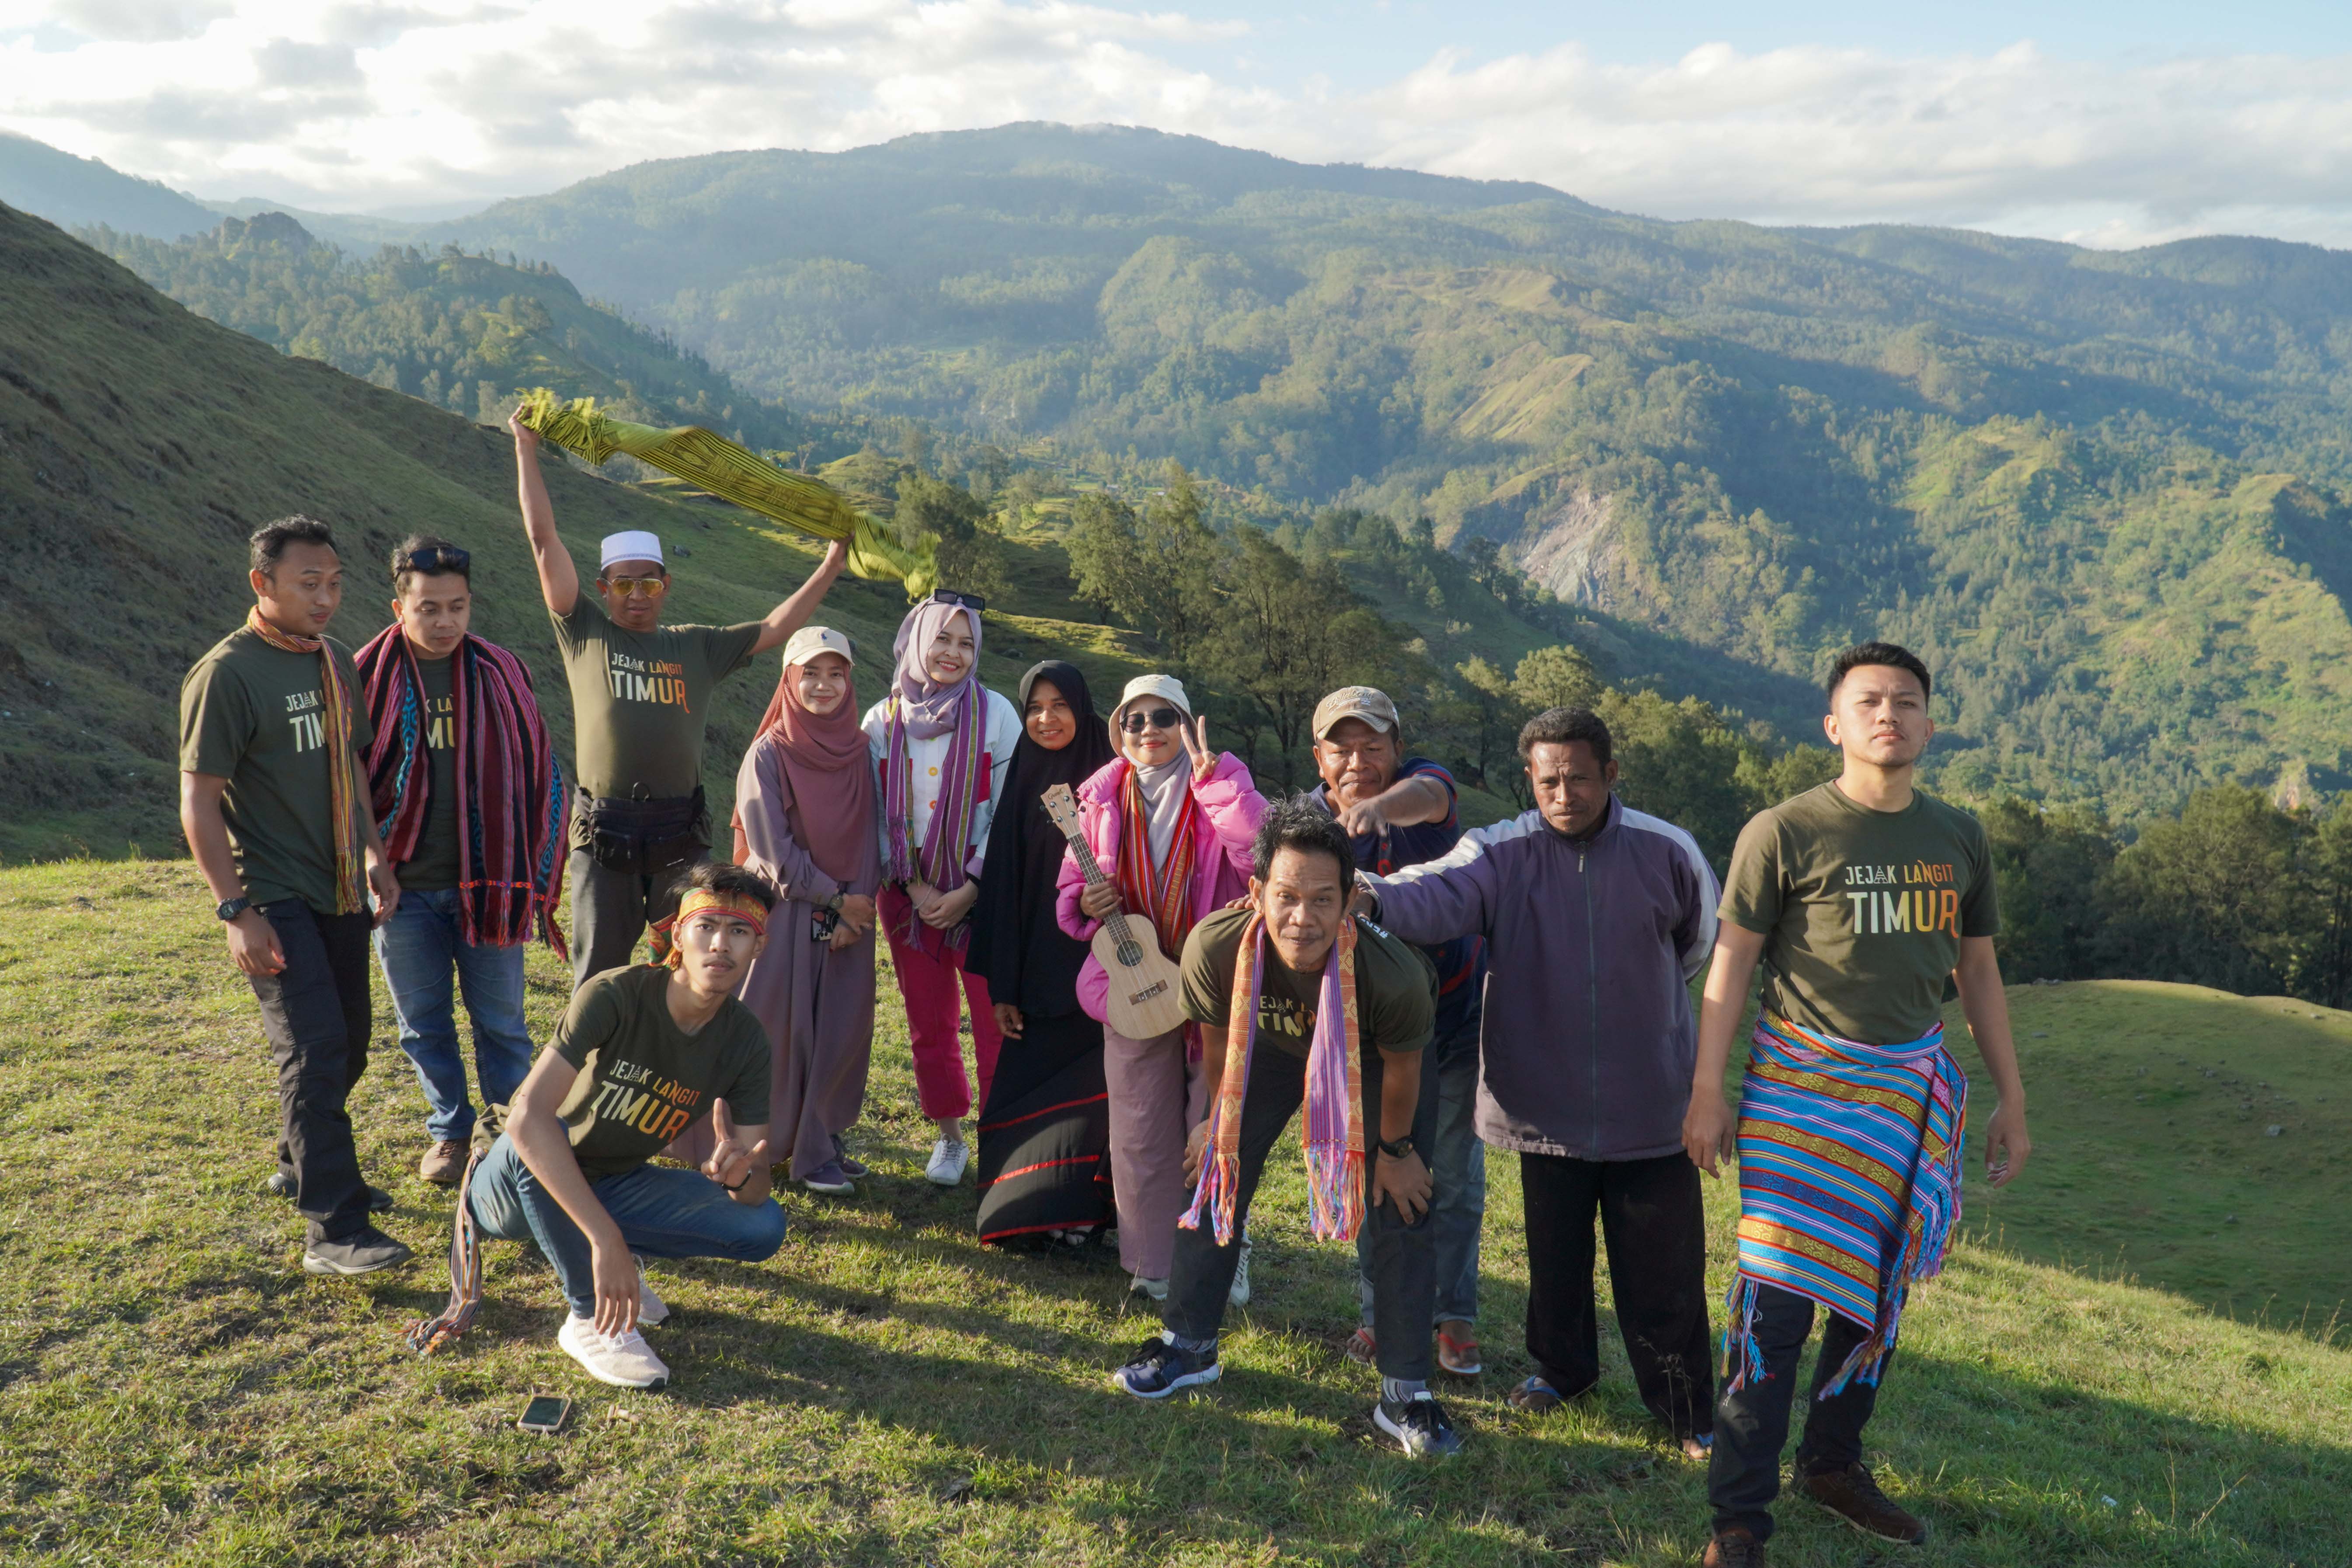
[[1457, 1176], [417, 949], [663, 1212]]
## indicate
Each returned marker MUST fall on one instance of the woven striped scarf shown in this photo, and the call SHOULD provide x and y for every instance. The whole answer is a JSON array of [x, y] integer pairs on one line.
[[1849, 1183], [1333, 1133], [1164, 893], [343, 772], [940, 857], [510, 806]]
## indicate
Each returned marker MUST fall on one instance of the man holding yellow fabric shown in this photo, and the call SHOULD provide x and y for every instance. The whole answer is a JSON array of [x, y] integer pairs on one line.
[[640, 694]]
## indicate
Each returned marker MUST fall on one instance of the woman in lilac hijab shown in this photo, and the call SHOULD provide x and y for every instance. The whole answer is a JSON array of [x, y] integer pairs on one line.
[[941, 743]]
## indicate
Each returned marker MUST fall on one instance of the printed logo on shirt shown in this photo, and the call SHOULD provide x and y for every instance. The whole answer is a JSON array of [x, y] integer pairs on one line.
[[1281, 1016], [1921, 899], [634, 679], [637, 1097], [441, 723], [306, 716]]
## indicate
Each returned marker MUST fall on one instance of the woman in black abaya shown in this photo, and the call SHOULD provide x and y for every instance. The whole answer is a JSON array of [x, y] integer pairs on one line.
[[1045, 1133]]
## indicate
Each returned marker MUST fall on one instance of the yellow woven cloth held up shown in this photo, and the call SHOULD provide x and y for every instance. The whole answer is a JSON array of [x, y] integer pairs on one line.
[[727, 471]]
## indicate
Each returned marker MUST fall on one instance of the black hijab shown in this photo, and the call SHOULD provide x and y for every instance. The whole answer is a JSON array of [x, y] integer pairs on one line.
[[1016, 944]]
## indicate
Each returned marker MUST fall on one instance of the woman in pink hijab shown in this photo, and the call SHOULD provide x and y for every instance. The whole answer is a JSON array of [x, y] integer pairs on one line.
[[941, 743]]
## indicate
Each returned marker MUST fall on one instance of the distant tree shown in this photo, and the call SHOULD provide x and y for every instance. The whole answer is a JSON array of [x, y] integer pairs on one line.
[[2326, 968], [1555, 677], [1497, 712], [1156, 569], [2048, 866], [2211, 897], [1679, 760], [970, 557], [1286, 634]]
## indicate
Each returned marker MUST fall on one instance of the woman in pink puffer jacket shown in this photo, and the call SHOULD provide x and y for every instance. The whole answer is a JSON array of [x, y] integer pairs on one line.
[[1171, 824]]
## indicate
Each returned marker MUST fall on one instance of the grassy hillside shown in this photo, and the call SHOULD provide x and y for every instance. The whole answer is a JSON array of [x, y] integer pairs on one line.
[[140, 444], [884, 1392]]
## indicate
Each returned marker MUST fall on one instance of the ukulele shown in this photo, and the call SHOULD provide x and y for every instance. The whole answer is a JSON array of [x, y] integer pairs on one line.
[[1146, 990]]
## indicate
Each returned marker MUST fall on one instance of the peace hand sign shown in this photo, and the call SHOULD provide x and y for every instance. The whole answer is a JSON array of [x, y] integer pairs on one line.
[[1196, 745]]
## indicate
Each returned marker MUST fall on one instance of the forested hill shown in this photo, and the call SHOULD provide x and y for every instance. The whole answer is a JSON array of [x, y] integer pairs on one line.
[[2099, 490]]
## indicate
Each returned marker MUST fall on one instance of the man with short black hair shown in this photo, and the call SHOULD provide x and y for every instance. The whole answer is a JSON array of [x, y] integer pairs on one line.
[[1324, 996], [640, 697], [1398, 811], [467, 794], [643, 1056], [1870, 904], [1595, 917], [274, 809]]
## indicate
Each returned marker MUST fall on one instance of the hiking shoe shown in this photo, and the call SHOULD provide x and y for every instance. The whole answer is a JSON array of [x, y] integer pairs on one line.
[[1418, 1425], [1155, 1288], [1535, 1396], [443, 1163], [829, 1179], [625, 1360], [1239, 1294], [849, 1167], [1159, 1369], [651, 1308], [948, 1160], [281, 1184], [362, 1252], [1458, 1353], [1361, 1348], [1735, 1548], [1854, 1496]]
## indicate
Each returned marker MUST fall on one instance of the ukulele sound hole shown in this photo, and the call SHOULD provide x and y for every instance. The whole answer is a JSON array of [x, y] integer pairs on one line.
[[1130, 953]]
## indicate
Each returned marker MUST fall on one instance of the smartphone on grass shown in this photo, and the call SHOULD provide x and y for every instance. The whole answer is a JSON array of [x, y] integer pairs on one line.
[[544, 1414]]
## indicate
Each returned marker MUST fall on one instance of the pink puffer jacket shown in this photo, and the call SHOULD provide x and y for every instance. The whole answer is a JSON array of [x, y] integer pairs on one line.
[[1228, 799]]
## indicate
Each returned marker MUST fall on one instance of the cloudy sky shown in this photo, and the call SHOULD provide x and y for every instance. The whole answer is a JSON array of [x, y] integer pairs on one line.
[[2108, 122]]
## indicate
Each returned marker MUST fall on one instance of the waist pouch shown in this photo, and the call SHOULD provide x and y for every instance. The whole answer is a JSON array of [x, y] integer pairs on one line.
[[644, 837]]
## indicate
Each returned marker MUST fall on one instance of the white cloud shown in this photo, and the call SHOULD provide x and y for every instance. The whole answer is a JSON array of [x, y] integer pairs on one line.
[[359, 105]]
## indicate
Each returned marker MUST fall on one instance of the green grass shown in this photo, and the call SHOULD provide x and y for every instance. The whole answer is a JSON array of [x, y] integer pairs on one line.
[[884, 1391]]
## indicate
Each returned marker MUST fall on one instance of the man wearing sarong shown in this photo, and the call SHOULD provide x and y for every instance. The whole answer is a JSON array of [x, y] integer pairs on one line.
[[1870, 905], [1301, 1003], [640, 705]]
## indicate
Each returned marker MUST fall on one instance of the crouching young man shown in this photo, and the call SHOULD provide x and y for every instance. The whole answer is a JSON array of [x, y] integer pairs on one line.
[[643, 1054], [1299, 1002]]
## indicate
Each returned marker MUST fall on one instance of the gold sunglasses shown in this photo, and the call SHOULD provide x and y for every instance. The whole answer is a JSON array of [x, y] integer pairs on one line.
[[651, 587]]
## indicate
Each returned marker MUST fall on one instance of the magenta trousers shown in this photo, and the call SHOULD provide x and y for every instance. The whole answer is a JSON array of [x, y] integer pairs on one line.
[[929, 982], [1156, 1097]]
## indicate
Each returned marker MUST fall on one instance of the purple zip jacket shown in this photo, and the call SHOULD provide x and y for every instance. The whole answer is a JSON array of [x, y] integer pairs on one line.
[[1588, 1037]]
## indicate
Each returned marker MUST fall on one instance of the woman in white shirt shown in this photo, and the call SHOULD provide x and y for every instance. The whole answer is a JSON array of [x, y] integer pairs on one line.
[[941, 743]]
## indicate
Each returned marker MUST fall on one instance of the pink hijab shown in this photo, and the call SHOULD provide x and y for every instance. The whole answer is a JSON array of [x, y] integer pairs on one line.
[[824, 762]]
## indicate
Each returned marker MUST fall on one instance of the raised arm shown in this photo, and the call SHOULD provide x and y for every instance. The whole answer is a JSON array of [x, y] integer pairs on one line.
[[559, 579], [1436, 905], [793, 614]]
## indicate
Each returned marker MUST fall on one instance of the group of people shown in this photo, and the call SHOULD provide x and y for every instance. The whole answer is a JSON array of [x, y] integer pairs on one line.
[[1159, 969]]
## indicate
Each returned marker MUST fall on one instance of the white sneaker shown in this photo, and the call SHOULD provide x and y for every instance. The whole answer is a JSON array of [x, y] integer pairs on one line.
[[625, 1360], [1155, 1288], [1239, 1294], [948, 1160], [650, 1309]]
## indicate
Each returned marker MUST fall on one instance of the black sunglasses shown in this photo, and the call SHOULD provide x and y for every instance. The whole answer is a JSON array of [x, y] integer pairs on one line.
[[435, 558], [971, 601], [1138, 721]]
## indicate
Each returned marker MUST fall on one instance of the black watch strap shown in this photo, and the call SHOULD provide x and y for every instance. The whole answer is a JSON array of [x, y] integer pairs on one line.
[[1398, 1150], [232, 908]]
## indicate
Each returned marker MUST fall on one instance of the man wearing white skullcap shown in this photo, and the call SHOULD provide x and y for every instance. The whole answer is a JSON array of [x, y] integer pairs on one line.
[[640, 694]]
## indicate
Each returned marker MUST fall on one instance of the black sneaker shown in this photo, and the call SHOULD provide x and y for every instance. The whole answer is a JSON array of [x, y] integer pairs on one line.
[[1418, 1425], [281, 1182], [1159, 1369], [362, 1252]]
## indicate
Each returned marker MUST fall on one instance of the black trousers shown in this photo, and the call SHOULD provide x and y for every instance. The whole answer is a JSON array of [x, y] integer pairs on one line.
[[1744, 1476], [317, 1015], [1404, 1253], [610, 910], [1654, 1223]]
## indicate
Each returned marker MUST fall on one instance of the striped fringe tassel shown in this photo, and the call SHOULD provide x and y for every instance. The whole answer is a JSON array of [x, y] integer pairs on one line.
[[1743, 1359], [429, 1334], [1335, 1193]]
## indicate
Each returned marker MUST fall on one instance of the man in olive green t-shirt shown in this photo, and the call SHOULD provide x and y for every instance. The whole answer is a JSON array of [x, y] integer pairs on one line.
[[640, 694], [1869, 905], [266, 757]]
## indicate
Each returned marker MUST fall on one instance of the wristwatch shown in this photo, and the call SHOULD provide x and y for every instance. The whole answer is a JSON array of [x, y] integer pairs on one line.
[[232, 908], [1398, 1150]]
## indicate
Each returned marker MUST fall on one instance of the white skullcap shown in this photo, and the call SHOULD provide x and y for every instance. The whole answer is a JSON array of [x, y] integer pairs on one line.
[[1165, 687], [810, 641], [636, 544]]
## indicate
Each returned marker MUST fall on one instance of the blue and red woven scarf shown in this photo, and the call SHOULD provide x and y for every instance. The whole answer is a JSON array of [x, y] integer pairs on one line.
[[1849, 1183], [510, 802]]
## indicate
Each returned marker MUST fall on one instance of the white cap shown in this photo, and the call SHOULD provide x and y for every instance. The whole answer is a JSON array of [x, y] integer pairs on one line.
[[1166, 687], [636, 544], [810, 641]]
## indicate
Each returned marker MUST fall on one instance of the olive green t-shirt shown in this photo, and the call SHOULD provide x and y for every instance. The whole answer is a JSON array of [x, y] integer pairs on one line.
[[1861, 912], [641, 1080], [433, 866], [255, 715], [640, 700], [1396, 988]]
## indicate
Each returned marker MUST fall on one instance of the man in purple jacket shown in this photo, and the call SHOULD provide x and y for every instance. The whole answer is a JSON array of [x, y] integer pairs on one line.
[[1596, 918]]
